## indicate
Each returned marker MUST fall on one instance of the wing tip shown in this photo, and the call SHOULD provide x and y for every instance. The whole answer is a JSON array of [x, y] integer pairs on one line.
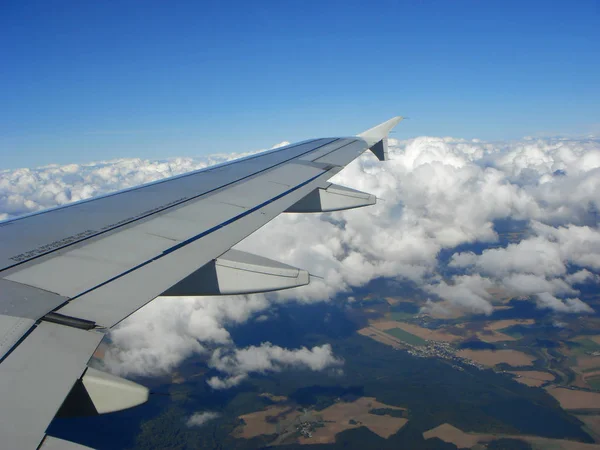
[[379, 132]]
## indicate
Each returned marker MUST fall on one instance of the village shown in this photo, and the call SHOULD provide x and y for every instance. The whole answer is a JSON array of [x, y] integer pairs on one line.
[[443, 350]]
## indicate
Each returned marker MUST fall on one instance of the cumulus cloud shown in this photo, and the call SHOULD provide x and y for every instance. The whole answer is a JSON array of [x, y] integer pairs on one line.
[[165, 332], [540, 265], [437, 194], [569, 305], [238, 363], [467, 292], [200, 418]]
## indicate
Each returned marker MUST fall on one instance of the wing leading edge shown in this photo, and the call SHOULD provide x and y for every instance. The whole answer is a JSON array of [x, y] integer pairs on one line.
[[69, 274]]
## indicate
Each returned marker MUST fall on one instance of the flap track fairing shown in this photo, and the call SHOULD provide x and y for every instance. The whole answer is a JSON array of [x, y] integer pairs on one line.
[[237, 272], [332, 198]]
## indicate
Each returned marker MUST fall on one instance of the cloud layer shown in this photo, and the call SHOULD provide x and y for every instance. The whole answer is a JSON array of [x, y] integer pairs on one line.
[[436, 194]]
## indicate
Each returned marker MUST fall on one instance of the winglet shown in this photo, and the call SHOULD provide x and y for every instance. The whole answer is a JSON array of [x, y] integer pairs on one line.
[[376, 137], [377, 133]]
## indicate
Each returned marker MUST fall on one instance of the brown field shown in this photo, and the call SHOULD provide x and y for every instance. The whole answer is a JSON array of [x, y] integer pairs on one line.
[[381, 336], [423, 333], [448, 433], [593, 423], [500, 324], [572, 399], [274, 398], [587, 362], [500, 295], [176, 378], [493, 336], [596, 338], [395, 300], [533, 378], [489, 335], [579, 382], [337, 419], [492, 357], [256, 422], [489, 332], [445, 310], [385, 324]]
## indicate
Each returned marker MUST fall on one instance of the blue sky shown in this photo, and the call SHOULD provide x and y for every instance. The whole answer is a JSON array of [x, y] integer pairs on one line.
[[84, 81]]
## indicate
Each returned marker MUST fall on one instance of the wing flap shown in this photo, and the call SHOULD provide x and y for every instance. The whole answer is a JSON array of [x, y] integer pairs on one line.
[[111, 302], [20, 307], [332, 198], [37, 376], [12, 329], [237, 272]]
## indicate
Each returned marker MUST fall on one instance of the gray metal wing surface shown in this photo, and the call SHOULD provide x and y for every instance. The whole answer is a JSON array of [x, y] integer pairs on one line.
[[69, 274]]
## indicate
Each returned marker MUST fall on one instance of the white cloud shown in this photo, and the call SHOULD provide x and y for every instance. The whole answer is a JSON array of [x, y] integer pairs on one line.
[[200, 418], [238, 363], [535, 255], [540, 265], [281, 144], [466, 292], [581, 276], [28, 190], [227, 382], [524, 285], [437, 193], [568, 305], [165, 332]]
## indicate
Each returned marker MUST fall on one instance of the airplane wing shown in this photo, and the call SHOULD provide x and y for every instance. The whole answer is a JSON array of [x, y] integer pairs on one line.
[[70, 274]]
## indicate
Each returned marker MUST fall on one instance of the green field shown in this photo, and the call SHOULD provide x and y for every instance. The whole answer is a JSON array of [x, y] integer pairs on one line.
[[594, 382], [405, 336], [585, 345], [401, 315]]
